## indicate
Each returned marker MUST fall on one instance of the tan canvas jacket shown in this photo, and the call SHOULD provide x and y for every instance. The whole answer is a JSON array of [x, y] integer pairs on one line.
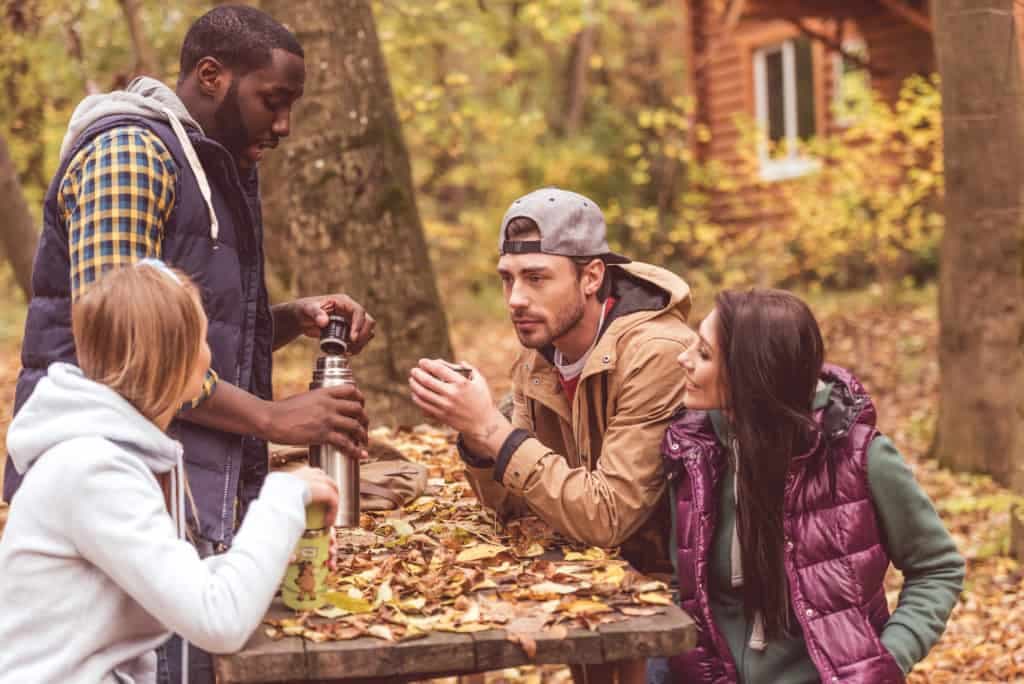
[[593, 470]]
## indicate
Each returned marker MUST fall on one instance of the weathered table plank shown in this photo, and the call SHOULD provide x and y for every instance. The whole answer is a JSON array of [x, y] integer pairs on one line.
[[368, 659]]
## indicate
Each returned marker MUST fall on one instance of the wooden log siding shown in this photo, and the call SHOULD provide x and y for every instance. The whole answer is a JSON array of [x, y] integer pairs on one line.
[[722, 73]]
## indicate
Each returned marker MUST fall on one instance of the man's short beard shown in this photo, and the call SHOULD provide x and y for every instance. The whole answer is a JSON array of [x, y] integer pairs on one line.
[[230, 128], [567, 318]]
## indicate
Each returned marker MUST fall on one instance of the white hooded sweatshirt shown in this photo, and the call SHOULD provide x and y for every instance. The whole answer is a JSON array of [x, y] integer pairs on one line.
[[94, 573]]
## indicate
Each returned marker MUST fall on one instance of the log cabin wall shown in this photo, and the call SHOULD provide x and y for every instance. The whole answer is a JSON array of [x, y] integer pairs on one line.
[[727, 35]]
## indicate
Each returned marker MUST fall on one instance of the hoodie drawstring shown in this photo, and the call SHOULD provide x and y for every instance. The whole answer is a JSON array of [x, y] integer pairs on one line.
[[178, 499], [197, 169]]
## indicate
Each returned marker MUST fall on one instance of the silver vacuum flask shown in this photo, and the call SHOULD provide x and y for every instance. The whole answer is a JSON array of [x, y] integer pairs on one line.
[[331, 370]]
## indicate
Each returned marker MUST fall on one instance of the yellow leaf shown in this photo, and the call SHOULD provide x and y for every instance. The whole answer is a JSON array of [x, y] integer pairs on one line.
[[480, 552], [656, 599], [591, 554], [469, 627], [545, 589], [647, 587], [613, 574], [586, 607], [331, 612], [348, 603]]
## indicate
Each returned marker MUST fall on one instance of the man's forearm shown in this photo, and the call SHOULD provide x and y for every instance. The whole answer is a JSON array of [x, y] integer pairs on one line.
[[287, 325], [232, 409], [486, 440]]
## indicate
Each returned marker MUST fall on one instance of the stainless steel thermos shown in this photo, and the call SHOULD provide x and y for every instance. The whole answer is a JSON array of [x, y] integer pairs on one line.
[[331, 370]]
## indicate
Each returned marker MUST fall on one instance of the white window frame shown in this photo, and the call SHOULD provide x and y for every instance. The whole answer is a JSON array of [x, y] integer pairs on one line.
[[850, 45], [794, 164]]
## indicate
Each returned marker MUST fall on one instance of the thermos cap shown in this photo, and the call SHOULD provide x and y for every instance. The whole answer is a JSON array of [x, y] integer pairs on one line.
[[334, 337]]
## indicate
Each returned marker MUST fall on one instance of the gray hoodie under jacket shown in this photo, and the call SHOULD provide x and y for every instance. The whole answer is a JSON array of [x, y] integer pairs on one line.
[[95, 572]]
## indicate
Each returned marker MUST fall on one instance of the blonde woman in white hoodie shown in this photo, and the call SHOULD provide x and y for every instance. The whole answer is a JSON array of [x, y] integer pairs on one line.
[[95, 570]]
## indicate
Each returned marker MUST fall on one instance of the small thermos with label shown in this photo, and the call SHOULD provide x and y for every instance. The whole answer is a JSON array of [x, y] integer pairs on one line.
[[331, 370]]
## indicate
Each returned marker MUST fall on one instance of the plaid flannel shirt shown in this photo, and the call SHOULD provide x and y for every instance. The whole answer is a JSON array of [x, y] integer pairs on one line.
[[116, 196]]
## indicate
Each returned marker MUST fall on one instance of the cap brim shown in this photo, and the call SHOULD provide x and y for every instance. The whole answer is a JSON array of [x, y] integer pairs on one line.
[[613, 258]]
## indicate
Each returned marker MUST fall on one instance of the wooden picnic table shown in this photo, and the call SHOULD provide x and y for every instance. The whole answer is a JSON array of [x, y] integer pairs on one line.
[[441, 654]]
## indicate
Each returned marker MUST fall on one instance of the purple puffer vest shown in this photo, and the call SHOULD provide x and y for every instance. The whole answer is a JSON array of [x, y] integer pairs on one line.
[[835, 560]]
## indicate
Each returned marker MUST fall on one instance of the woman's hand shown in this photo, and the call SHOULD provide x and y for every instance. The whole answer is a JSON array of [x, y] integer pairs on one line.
[[322, 487]]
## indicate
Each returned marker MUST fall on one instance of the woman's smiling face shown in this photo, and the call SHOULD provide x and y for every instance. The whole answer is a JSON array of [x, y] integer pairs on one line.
[[702, 364]]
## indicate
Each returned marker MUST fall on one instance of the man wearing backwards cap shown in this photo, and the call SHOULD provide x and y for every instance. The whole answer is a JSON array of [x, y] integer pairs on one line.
[[593, 388]]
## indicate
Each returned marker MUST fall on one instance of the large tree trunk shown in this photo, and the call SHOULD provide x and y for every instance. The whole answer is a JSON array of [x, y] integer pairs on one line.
[[145, 62], [981, 298], [341, 214], [19, 236]]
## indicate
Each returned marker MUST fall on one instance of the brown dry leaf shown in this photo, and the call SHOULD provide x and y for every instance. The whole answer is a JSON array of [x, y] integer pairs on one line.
[[640, 612], [532, 551], [526, 642], [315, 636], [558, 632]]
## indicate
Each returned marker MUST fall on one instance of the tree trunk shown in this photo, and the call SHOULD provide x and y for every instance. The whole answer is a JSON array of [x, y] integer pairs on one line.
[[145, 63], [579, 67], [339, 201], [18, 236], [981, 298]]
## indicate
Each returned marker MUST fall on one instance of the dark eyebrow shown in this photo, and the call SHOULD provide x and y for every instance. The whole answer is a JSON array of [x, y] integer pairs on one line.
[[529, 270]]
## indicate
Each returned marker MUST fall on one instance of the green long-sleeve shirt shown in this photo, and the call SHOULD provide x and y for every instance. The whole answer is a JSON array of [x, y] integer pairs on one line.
[[916, 540]]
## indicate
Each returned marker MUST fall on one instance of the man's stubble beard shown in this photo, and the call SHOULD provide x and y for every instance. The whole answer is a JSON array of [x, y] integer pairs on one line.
[[566, 318]]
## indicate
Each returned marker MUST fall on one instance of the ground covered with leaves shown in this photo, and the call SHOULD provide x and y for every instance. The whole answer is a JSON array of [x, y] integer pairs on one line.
[[450, 547]]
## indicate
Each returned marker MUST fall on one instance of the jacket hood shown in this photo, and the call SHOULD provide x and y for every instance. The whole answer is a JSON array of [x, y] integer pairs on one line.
[[66, 405], [144, 97], [676, 289]]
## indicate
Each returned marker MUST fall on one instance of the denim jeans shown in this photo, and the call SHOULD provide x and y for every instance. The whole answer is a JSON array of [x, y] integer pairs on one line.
[[168, 660], [168, 656], [658, 671]]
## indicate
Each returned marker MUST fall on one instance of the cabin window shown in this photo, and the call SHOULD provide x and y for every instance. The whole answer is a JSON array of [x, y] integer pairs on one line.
[[785, 101], [852, 89]]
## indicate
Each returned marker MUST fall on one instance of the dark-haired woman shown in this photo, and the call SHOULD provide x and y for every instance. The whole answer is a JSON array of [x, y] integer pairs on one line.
[[788, 507]]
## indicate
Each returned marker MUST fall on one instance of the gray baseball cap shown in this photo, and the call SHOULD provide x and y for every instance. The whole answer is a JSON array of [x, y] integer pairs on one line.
[[570, 225]]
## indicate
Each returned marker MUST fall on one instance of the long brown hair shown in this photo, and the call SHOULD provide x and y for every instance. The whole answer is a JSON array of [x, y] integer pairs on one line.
[[772, 354]]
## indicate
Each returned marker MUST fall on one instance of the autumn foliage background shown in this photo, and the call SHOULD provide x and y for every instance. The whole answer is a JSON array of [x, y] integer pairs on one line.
[[492, 105]]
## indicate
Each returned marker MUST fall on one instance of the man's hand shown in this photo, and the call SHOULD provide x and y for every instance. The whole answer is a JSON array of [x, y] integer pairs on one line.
[[329, 415], [308, 315], [464, 404]]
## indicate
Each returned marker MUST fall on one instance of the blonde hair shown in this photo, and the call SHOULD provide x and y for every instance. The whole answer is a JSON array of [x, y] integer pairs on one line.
[[139, 331]]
